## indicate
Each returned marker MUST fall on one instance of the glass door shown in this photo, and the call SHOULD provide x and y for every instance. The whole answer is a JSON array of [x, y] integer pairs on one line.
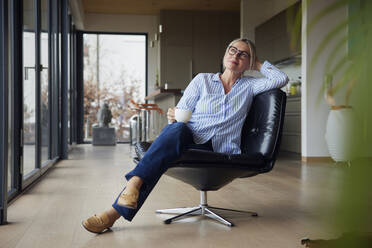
[[44, 82], [29, 87], [11, 184]]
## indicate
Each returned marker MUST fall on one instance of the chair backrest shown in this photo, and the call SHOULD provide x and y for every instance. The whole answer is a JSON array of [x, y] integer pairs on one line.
[[263, 126]]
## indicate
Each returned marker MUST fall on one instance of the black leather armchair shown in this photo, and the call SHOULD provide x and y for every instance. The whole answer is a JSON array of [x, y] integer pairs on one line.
[[207, 171]]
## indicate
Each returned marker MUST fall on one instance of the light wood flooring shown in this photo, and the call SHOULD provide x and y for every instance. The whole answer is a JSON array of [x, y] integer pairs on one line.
[[293, 201]]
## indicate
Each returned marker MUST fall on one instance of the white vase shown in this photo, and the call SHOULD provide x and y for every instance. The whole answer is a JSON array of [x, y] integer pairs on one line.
[[341, 135]]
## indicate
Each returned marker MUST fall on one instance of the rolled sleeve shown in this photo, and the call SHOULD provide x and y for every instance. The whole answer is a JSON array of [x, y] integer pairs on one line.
[[273, 78]]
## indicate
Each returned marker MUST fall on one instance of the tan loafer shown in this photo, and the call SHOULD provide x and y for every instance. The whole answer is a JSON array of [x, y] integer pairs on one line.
[[98, 224], [129, 199]]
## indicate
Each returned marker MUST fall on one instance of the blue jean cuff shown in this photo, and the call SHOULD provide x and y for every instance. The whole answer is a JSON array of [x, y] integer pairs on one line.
[[118, 210]]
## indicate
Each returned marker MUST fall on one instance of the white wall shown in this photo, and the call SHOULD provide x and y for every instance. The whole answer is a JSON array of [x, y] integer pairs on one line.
[[314, 112], [131, 24]]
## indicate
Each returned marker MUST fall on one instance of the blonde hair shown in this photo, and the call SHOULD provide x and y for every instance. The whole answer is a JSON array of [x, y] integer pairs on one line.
[[252, 50]]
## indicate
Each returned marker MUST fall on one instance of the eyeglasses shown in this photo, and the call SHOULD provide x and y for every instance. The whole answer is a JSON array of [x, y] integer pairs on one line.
[[240, 54]]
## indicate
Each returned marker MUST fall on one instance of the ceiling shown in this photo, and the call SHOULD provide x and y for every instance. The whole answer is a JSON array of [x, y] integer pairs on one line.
[[153, 7]]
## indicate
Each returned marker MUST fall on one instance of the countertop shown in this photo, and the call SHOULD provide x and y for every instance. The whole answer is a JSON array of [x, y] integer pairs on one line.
[[163, 93]]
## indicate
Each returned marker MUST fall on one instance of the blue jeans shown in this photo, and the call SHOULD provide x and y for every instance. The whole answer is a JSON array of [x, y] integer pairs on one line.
[[167, 148]]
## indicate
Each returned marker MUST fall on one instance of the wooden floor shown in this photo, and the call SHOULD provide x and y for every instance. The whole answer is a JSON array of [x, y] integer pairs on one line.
[[292, 202]]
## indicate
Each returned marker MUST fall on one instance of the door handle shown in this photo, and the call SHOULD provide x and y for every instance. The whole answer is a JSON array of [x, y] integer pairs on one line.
[[27, 68]]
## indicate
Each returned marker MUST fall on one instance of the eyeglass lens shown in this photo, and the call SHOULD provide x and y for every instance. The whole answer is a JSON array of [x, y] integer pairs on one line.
[[233, 50]]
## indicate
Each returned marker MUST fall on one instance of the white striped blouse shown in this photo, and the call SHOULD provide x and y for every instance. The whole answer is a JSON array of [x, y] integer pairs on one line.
[[220, 117]]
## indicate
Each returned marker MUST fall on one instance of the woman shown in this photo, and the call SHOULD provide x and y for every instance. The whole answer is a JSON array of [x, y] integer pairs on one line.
[[219, 104]]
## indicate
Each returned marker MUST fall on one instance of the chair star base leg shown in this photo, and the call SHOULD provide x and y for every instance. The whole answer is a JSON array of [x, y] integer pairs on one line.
[[253, 214], [194, 211], [217, 217], [177, 210]]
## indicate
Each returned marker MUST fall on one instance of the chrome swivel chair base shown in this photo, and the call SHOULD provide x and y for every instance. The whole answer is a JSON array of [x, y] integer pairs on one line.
[[202, 210]]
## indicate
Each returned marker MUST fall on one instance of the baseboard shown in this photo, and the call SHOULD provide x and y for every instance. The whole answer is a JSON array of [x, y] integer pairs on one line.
[[317, 159], [328, 159]]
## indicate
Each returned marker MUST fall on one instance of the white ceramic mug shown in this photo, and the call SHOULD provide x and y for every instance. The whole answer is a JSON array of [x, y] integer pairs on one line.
[[182, 115]]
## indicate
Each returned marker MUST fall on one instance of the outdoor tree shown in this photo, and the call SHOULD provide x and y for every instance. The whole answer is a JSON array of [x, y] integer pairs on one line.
[[117, 93]]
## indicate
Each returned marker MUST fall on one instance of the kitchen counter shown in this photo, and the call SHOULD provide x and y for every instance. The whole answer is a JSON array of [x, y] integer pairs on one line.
[[160, 93], [291, 140], [164, 98]]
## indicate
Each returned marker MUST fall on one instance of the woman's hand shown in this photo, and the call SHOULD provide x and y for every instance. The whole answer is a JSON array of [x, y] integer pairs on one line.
[[170, 115], [258, 64]]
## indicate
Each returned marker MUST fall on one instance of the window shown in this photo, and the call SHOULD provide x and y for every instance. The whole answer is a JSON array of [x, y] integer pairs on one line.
[[114, 73]]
